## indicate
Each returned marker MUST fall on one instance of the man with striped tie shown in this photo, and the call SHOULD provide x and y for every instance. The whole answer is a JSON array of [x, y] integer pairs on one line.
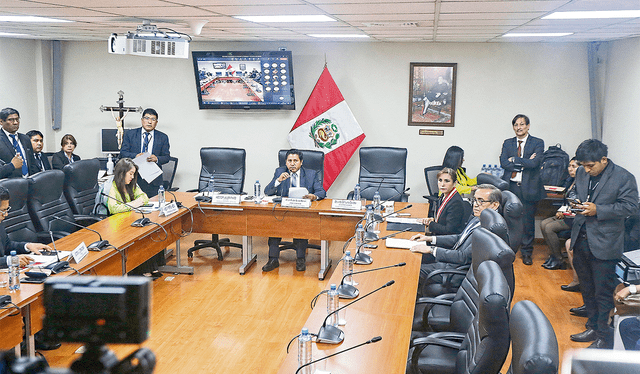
[[147, 139], [16, 152], [37, 142]]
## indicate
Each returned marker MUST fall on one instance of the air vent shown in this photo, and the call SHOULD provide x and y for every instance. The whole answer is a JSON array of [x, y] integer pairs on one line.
[[391, 24]]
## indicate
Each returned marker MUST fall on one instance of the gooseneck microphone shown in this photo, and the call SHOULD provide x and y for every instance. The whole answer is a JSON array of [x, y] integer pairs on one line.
[[333, 335], [140, 222], [95, 246], [392, 197], [369, 235], [362, 258], [178, 204], [58, 266], [347, 291], [373, 340]]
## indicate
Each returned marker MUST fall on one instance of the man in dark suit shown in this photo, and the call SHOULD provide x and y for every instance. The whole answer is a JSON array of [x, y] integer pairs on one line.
[[521, 158], [16, 153], [147, 139], [37, 143], [292, 174], [450, 251], [608, 194]]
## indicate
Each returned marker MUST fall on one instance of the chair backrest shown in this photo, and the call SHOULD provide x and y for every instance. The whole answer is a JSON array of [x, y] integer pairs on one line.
[[46, 200], [533, 341], [49, 156], [512, 211], [81, 185], [484, 178], [227, 166], [489, 246], [169, 172], [18, 222], [494, 222], [382, 169], [431, 177], [310, 160]]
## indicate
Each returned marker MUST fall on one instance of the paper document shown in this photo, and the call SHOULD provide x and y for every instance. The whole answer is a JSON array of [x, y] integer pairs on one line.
[[410, 221], [633, 256], [298, 192], [147, 170], [399, 243], [42, 260]]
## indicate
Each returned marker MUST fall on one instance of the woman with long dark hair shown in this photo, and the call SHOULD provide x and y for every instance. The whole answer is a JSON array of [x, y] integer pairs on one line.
[[453, 159], [125, 187]]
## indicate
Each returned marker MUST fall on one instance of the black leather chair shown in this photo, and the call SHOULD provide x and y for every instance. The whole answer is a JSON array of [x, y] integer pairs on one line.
[[512, 211], [227, 165], [534, 347], [169, 173], [484, 178], [431, 178], [483, 347], [383, 169], [81, 185], [46, 200], [18, 223]]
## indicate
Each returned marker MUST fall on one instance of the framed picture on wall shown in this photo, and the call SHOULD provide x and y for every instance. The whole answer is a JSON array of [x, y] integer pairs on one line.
[[432, 94]]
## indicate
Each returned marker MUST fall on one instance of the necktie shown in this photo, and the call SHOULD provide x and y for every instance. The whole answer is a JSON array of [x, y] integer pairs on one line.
[[25, 169], [465, 233], [39, 156], [294, 180], [145, 145], [513, 174]]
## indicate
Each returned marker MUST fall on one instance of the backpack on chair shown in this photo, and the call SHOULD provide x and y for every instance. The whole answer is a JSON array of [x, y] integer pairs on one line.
[[554, 166], [101, 206]]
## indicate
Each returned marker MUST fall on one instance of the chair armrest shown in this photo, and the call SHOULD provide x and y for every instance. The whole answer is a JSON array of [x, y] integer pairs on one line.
[[172, 189], [436, 300], [445, 272], [350, 195], [84, 220], [404, 198], [454, 342], [45, 238], [194, 190]]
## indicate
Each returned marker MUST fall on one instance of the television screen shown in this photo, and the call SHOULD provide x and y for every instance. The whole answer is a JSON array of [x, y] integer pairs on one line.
[[109, 139], [244, 80]]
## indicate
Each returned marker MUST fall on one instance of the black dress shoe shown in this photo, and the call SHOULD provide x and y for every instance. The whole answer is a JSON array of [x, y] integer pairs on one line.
[[574, 288], [587, 335], [601, 343], [549, 259], [46, 346], [271, 264], [526, 259], [580, 311], [301, 264], [555, 264]]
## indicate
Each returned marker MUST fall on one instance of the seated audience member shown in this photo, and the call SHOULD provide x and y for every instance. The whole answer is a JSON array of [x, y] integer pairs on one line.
[[451, 251], [292, 175], [37, 142], [453, 159], [562, 221], [629, 327], [65, 156], [574, 286], [449, 217]]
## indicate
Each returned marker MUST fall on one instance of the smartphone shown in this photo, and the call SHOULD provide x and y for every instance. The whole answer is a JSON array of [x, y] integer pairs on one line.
[[574, 201], [371, 246], [576, 210]]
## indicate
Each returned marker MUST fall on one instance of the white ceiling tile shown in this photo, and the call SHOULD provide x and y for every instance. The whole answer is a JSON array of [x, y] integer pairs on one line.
[[499, 6], [263, 10], [381, 8]]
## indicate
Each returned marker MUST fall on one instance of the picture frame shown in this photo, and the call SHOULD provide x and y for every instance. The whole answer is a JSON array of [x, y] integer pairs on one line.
[[432, 94]]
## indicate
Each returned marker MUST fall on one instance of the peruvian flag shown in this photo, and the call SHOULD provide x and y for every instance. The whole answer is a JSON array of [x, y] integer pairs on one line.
[[326, 124]]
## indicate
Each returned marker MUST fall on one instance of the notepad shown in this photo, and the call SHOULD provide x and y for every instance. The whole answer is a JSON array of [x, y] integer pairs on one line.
[[399, 243]]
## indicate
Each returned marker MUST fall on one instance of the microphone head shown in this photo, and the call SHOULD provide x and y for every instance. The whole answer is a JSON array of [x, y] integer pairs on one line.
[[402, 264], [376, 339], [408, 206], [389, 283]]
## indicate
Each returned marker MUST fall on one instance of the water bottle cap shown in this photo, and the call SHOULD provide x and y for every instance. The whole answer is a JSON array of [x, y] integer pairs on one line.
[[333, 287], [305, 331], [13, 253], [257, 181], [369, 207], [347, 253], [360, 227]]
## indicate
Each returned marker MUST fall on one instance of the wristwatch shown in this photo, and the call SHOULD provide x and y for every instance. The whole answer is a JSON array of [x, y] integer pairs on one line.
[[633, 289]]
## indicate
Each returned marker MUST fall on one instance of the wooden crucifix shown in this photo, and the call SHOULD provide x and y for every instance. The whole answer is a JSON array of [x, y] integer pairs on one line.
[[122, 113]]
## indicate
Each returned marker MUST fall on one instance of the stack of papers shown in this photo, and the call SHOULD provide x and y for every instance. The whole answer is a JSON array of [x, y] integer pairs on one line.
[[399, 243], [42, 260]]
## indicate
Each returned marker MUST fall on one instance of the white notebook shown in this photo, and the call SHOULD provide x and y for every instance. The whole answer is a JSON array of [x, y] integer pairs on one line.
[[399, 243]]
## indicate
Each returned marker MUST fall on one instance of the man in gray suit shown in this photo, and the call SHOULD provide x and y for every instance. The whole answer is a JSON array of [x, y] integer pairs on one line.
[[608, 194], [450, 251]]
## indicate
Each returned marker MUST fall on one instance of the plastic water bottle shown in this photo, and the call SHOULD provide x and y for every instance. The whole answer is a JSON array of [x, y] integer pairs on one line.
[[304, 351], [356, 192], [332, 305], [161, 198], [484, 168], [376, 202], [256, 192], [110, 165], [13, 263], [494, 170], [211, 185], [359, 236], [347, 267]]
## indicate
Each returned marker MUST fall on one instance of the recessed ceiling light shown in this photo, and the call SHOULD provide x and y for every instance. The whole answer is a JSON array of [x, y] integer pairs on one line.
[[534, 34], [298, 18], [30, 19], [9, 34], [594, 14], [338, 35]]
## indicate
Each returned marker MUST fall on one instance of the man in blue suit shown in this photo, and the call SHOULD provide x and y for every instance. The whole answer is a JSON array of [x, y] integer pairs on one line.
[[292, 174], [147, 139], [521, 158]]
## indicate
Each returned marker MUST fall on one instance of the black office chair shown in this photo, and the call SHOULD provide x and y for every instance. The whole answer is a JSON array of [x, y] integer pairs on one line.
[[484, 178], [169, 173], [512, 211], [46, 200], [383, 169], [431, 177], [534, 346], [18, 223], [483, 348], [227, 165], [81, 185], [49, 156]]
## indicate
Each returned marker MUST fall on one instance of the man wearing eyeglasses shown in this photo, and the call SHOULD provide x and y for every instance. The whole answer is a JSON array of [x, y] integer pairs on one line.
[[450, 251], [16, 152], [147, 139]]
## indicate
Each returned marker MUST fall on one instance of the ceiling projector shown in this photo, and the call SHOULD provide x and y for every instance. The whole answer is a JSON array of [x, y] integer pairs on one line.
[[147, 40]]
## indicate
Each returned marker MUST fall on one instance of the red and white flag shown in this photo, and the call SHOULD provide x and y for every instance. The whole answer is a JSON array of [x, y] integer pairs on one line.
[[326, 124]]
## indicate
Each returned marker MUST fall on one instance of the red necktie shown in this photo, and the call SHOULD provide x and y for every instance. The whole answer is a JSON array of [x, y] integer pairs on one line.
[[513, 174]]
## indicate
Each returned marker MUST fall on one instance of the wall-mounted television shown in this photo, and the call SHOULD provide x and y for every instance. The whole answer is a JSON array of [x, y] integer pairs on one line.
[[244, 79]]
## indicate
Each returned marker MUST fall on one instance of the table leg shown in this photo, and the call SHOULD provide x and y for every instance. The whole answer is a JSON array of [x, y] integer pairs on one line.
[[178, 268], [248, 258], [325, 261], [31, 341]]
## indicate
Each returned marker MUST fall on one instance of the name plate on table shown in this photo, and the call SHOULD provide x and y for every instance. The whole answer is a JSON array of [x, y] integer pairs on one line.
[[80, 253], [289, 202], [168, 209], [226, 199], [341, 204]]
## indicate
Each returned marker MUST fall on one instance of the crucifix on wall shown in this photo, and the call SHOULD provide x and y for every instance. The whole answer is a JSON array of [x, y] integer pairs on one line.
[[122, 112]]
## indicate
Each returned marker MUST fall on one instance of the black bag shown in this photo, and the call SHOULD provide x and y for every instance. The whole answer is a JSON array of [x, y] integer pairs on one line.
[[554, 166]]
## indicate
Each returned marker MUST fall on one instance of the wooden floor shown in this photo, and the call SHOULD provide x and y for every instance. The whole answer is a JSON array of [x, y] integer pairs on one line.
[[217, 321]]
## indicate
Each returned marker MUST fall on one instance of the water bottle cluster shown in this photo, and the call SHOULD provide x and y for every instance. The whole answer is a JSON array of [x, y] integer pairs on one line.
[[494, 170]]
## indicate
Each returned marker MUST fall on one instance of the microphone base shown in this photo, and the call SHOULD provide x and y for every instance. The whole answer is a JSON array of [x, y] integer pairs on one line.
[[370, 236], [347, 291], [362, 259], [330, 335], [98, 245], [141, 222]]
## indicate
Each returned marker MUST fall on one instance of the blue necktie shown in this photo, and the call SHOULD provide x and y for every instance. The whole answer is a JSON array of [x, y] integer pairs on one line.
[[25, 169], [145, 145]]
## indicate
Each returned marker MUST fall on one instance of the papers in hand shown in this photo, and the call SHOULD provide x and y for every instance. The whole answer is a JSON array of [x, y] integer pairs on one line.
[[149, 171], [298, 192], [399, 243]]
